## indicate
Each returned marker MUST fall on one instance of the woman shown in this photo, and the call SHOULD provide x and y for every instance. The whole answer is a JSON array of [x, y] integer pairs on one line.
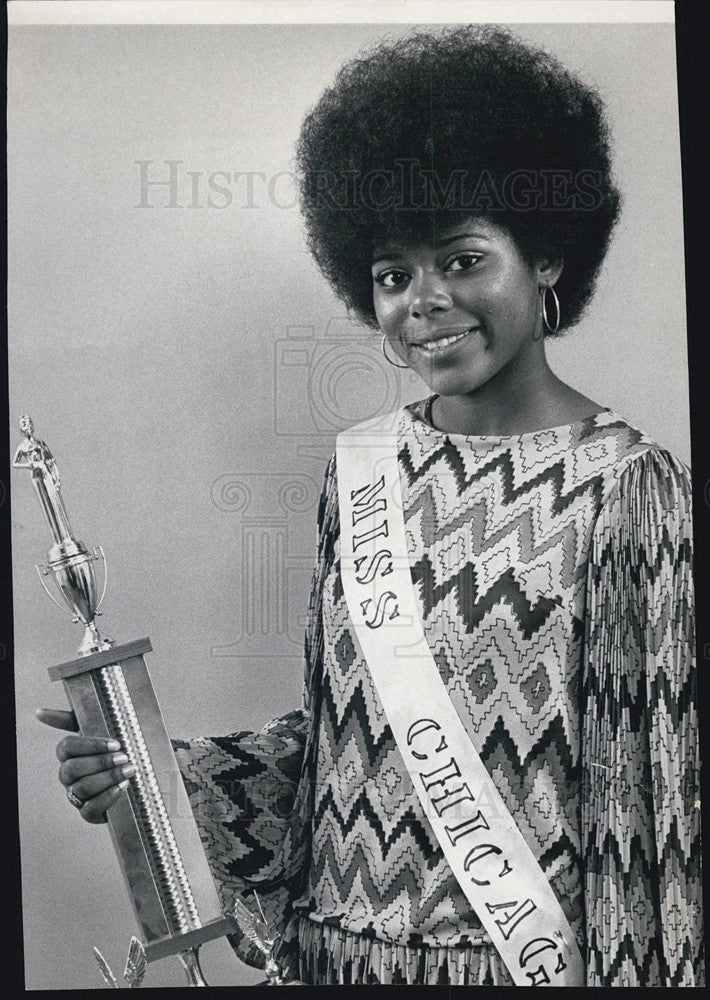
[[458, 196]]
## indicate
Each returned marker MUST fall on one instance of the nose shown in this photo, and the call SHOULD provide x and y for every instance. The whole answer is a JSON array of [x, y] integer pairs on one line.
[[429, 293]]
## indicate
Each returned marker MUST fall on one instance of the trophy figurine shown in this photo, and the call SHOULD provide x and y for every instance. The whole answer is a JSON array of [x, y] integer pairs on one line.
[[108, 686]]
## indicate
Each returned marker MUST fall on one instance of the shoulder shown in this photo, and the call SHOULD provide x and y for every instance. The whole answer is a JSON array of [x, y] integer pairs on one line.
[[648, 501], [328, 520], [396, 422], [393, 424], [644, 471]]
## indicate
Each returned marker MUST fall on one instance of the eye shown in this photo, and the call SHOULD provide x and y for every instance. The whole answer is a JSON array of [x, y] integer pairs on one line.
[[391, 278], [463, 261]]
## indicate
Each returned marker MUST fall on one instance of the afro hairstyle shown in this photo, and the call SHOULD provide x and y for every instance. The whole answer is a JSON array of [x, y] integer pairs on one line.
[[419, 132]]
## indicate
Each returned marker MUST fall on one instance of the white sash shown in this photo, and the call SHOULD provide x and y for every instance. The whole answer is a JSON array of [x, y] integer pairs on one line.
[[479, 838]]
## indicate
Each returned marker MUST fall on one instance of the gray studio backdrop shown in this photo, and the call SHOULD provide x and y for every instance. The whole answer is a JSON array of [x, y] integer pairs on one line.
[[189, 368]]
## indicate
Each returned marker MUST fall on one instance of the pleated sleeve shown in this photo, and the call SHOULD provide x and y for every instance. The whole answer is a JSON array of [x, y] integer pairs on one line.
[[251, 792], [640, 760], [242, 789]]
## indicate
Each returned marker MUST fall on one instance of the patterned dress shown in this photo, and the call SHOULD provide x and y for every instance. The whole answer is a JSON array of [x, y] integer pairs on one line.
[[553, 573]]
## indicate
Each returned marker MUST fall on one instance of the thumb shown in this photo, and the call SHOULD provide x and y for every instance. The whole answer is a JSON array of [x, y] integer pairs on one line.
[[57, 719]]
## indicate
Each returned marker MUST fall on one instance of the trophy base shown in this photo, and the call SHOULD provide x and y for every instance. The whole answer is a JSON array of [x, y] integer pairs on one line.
[[286, 982], [174, 944]]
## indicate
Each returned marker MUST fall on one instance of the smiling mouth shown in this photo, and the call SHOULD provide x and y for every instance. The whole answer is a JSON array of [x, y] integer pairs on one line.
[[441, 345]]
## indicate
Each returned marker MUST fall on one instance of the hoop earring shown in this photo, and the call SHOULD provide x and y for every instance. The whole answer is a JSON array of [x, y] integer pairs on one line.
[[543, 293], [387, 357]]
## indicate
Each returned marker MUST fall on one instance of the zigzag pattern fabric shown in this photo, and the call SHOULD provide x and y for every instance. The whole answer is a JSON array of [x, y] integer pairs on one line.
[[553, 571]]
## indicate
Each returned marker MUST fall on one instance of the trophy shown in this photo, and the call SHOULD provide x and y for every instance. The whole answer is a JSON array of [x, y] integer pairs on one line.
[[153, 830]]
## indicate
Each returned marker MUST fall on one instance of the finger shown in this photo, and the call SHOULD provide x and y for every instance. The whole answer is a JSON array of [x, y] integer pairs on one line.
[[78, 767], [84, 746], [58, 720], [94, 810], [93, 784]]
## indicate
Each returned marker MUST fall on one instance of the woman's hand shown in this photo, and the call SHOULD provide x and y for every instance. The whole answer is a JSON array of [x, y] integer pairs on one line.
[[92, 768]]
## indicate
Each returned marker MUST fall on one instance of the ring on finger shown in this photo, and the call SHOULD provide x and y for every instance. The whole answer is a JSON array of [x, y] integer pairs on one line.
[[74, 799]]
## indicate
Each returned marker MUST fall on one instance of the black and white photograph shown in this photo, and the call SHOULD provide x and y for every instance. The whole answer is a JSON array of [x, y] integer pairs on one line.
[[352, 495]]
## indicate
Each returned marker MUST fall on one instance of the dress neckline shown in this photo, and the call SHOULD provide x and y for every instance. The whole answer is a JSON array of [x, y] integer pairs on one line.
[[425, 418]]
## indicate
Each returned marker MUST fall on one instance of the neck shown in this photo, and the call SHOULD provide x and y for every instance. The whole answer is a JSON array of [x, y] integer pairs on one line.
[[499, 407]]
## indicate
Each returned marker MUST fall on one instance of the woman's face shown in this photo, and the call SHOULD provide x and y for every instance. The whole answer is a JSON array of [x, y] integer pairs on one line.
[[461, 308]]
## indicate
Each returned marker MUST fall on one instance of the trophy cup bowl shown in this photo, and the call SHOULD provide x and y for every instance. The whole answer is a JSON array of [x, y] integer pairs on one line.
[[73, 571]]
